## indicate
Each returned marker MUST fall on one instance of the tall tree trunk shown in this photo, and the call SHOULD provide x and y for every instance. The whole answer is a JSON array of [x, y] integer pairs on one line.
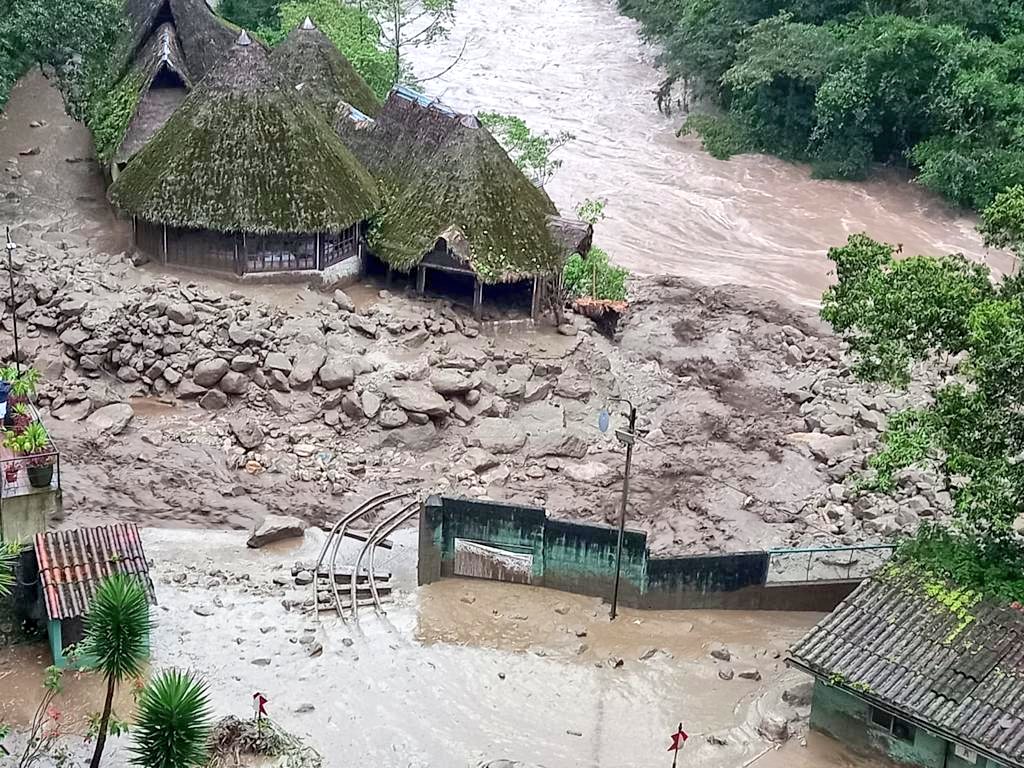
[[101, 737]]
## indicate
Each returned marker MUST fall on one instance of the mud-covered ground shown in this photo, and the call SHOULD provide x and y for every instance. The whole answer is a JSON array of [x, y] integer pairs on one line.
[[749, 415], [457, 673]]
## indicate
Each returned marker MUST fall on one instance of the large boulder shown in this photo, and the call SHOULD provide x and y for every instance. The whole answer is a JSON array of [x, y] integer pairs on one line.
[[367, 326], [241, 335], [337, 373], [278, 361], [371, 403], [450, 382], [570, 442], [825, 448], [306, 366], [234, 383], [247, 431], [592, 472], [181, 313], [343, 302], [214, 400], [417, 397], [208, 373], [276, 528], [111, 419], [498, 436], [574, 385]]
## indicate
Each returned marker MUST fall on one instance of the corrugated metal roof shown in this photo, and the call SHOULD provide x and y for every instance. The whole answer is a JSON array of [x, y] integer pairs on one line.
[[918, 647], [424, 101], [73, 563]]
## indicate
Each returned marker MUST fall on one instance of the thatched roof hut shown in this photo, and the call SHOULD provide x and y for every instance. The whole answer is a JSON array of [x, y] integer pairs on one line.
[[447, 179], [312, 64], [243, 153]]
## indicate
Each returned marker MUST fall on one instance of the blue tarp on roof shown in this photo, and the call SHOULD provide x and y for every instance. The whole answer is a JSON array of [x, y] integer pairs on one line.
[[424, 101]]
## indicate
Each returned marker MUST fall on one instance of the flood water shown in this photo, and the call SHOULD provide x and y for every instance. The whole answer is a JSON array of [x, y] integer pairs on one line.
[[577, 66]]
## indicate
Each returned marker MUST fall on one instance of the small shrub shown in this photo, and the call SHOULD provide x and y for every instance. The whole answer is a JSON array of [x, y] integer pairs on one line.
[[594, 276]]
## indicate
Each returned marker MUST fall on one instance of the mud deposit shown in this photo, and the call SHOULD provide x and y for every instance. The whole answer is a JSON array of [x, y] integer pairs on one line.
[[454, 674]]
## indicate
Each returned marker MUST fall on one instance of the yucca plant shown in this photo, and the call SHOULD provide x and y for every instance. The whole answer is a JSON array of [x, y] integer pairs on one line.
[[172, 728], [117, 631], [9, 552]]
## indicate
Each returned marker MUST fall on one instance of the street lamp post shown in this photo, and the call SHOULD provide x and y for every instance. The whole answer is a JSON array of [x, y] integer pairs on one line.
[[629, 438], [14, 315]]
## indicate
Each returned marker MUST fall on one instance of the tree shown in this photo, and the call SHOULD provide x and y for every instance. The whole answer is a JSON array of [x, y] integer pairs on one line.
[[117, 630], [251, 14], [895, 312], [1002, 223], [407, 24], [172, 727], [531, 152]]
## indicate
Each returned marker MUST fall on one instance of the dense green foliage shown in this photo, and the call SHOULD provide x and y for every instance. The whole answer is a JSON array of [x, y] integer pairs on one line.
[[172, 728], [937, 84], [252, 14], [52, 32], [9, 552], [531, 152], [594, 276], [895, 312]]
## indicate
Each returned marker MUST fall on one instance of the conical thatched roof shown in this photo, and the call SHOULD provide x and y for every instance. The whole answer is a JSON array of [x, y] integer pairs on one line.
[[243, 153], [312, 64], [160, 57], [204, 35], [445, 176]]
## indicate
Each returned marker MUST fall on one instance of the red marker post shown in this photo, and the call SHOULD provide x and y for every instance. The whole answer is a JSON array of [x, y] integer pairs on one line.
[[678, 742], [259, 705]]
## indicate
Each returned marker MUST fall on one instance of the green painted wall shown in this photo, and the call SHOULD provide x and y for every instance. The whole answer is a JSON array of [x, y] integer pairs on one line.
[[580, 558], [847, 719]]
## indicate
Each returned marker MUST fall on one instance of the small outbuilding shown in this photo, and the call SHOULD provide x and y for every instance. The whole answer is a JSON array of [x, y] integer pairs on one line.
[[247, 177], [72, 564], [920, 670]]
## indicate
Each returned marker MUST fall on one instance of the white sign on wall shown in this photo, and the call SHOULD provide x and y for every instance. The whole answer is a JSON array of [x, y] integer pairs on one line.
[[966, 754]]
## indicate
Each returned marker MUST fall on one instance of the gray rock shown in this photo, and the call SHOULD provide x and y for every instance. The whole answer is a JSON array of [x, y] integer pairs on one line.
[[243, 363], [351, 405], [536, 391], [750, 674], [592, 472], [571, 443], [726, 673], [208, 373], [774, 727], [371, 403], [825, 448], [247, 431], [721, 653], [479, 460], [497, 436], [450, 382], [417, 397], [234, 383], [472, 397], [111, 419], [414, 438], [337, 374], [74, 338], [241, 335], [181, 313], [304, 578], [343, 302], [367, 326], [214, 400], [393, 418], [568, 329], [574, 385], [276, 528], [278, 361], [799, 695], [186, 389], [306, 366]]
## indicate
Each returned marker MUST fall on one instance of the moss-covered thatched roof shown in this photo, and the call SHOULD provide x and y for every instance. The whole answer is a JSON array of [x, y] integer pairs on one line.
[[311, 63], [161, 56], [244, 153], [204, 35], [444, 176]]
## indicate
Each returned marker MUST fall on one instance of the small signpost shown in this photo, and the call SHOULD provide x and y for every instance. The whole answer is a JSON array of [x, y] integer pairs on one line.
[[259, 705], [678, 742]]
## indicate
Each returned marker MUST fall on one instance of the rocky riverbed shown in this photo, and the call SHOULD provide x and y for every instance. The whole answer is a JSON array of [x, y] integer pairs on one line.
[[182, 399]]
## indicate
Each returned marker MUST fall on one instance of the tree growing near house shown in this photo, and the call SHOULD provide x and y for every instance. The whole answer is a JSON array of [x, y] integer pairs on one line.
[[533, 153], [406, 24], [172, 729], [117, 630]]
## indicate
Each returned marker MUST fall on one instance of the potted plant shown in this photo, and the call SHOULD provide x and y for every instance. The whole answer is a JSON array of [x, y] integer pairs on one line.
[[11, 467], [22, 386], [34, 443], [22, 417]]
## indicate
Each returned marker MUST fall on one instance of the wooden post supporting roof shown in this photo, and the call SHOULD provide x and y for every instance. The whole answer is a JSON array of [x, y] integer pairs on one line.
[[421, 279], [165, 243], [478, 300]]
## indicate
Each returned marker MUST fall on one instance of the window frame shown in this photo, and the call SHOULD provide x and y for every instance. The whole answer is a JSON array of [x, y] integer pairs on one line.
[[897, 727]]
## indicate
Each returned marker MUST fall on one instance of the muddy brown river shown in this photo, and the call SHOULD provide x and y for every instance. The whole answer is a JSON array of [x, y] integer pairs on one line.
[[578, 66]]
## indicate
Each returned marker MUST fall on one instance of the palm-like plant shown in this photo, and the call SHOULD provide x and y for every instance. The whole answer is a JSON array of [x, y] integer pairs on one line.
[[116, 639], [9, 552], [172, 729]]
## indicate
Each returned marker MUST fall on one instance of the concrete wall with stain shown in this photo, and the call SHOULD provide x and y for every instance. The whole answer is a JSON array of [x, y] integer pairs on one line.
[[847, 718], [580, 558]]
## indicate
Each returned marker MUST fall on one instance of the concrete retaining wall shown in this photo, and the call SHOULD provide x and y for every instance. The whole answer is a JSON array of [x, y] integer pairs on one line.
[[580, 558]]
